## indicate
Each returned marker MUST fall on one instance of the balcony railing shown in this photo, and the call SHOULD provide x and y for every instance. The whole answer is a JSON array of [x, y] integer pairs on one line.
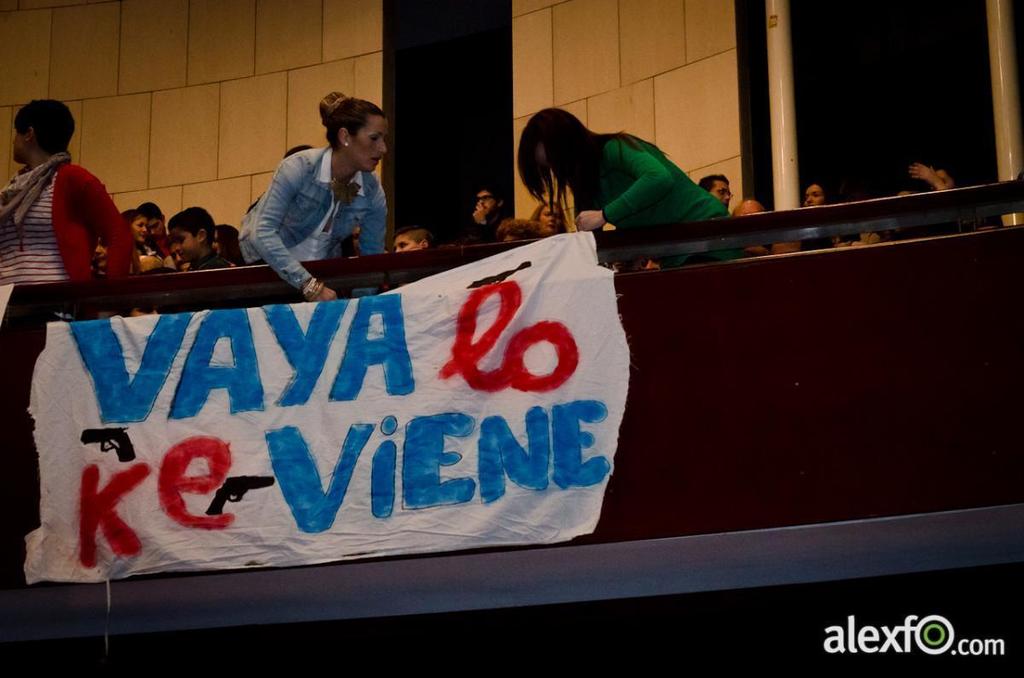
[[805, 417]]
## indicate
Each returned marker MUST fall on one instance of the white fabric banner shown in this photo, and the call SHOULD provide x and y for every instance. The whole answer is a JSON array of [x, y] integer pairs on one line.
[[479, 407]]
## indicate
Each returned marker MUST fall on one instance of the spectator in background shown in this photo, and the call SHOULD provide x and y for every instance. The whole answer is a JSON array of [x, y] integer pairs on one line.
[[411, 238], [718, 186], [52, 213], [99, 260], [752, 206], [180, 264], [144, 257], [488, 212], [226, 244], [193, 229], [523, 229], [748, 206], [552, 219], [941, 180], [852, 189], [156, 227], [937, 179], [815, 195]]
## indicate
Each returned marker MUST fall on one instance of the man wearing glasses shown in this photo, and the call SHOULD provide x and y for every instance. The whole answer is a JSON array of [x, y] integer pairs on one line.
[[488, 211]]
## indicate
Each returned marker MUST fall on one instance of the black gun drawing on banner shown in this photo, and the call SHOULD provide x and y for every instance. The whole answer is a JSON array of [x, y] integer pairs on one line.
[[234, 488], [111, 439], [490, 280]]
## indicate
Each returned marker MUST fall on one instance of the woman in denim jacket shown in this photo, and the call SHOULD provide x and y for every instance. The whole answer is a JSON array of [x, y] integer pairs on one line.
[[318, 197]]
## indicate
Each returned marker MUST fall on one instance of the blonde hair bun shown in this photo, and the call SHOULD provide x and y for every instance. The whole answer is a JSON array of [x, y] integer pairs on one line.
[[329, 104], [338, 112]]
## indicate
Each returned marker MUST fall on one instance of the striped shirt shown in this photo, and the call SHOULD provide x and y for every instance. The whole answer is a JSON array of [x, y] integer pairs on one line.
[[34, 258]]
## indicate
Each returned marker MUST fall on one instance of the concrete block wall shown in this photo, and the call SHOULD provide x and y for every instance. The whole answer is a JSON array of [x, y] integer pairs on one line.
[[664, 70], [187, 102]]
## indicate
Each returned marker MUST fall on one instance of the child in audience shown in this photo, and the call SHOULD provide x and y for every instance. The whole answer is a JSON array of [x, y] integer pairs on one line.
[[410, 238], [193, 229], [144, 257], [226, 244]]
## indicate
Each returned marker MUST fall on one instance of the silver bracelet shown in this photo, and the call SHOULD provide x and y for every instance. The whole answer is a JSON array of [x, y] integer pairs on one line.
[[311, 289]]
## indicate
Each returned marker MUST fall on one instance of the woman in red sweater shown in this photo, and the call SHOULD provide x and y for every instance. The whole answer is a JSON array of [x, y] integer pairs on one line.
[[52, 212]]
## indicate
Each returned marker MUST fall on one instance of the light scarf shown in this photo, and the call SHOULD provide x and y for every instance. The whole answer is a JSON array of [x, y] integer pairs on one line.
[[24, 189]]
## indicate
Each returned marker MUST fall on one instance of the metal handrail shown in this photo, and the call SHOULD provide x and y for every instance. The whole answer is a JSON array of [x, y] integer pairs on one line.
[[245, 286]]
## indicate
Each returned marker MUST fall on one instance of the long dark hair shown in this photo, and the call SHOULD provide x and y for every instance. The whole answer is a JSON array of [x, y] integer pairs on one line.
[[573, 157]]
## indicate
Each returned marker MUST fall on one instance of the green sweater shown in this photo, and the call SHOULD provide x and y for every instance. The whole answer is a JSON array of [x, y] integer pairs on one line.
[[641, 187]]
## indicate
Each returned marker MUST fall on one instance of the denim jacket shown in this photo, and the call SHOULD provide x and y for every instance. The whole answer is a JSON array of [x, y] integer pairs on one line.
[[293, 207]]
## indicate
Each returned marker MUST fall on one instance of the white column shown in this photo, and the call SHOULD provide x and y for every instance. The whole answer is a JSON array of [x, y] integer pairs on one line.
[[785, 168], [1002, 59]]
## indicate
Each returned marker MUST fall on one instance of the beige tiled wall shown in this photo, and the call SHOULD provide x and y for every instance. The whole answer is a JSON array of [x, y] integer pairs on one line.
[[369, 73], [154, 45], [306, 86], [533, 81], [586, 51], [221, 39], [344, 37], [36, 4], [664, 70], [25, 41], [252, 124], [6, 122], [169, 199], [75, 146], [651, 40], [180, 100], [705, 20], [288, 34], [520, 7], [627, 108], [523, 200], [187, 102], [260, 184], [184, 137], [696, 111], [578, 108], [225, 200], [83, 51], [115, 140]]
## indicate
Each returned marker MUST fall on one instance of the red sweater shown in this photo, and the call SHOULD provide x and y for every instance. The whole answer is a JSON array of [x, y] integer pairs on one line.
[[83, 210]]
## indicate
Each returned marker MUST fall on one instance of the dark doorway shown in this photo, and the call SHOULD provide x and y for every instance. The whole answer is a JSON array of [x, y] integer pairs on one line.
[[880, 85], [755, 122], [452, 109]]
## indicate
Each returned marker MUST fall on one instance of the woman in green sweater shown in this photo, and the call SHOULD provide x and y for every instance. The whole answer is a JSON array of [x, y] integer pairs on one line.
[[614, 178]]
